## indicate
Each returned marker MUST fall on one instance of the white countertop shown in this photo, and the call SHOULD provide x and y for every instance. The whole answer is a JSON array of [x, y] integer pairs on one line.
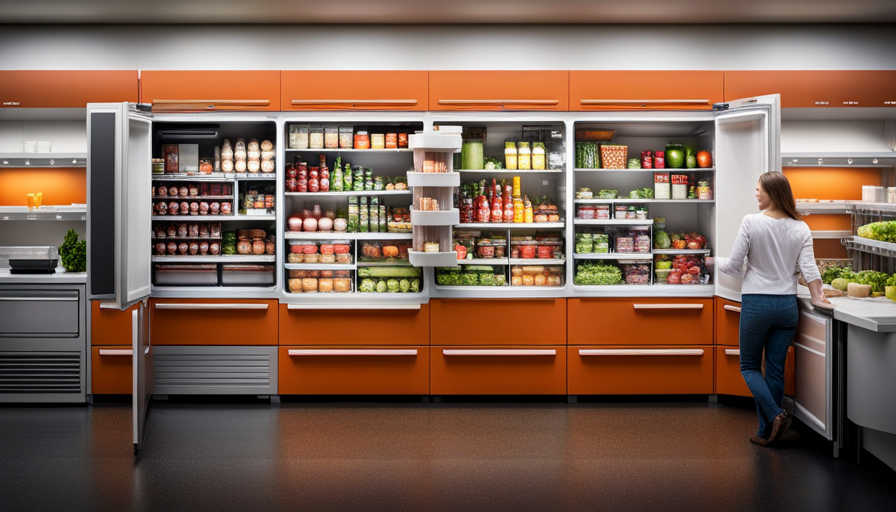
[[60, 277], [877, 314]]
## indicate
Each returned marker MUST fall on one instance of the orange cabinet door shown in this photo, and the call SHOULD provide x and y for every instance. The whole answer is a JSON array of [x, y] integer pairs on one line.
[[109, 326], [673, 370], [354, 90], [111, 370], [801, 89], [213, 322], [519, 370], [645, 321], [327, 370], [65, 89], [499, 90], [191, 91], [645, 90], [727, 322], [729, 380], [354, 327], [516, 321]]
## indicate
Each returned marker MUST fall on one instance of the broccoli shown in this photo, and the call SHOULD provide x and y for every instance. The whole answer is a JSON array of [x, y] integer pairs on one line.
[[392, 286], [404, 285], [381, 286], [368, 285], [488, 280], [415, 285], [468, 279]]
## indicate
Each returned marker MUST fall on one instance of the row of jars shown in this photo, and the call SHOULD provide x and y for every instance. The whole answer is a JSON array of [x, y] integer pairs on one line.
[[303, 136], [521, 156]]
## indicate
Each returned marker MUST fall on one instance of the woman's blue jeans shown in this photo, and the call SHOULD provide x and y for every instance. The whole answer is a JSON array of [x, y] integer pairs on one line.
[[767, 323]]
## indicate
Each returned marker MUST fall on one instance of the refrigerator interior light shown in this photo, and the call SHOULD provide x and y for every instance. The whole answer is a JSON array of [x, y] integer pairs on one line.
[[52, 162], [874, 161], [849, 161], [74, 160], [820, 161]]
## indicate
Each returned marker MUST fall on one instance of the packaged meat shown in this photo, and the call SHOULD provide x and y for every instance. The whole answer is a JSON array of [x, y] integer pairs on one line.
[[325, 285], [342, 285]]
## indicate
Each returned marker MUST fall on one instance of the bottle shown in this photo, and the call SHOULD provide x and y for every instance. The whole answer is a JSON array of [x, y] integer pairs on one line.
[[529, 215], [519, 210], [524, 157], [510, 156], [538, 156]]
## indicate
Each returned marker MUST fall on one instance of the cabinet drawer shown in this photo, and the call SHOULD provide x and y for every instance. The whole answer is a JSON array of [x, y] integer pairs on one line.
[[499, 90], [111, 370], [727, 322], [519, 370], [812, 89], [658, 370], [354, 90], [356, 327], [645, 90], [729, 380], [65, 89], [344, 370], [187, 370], [648, 321], [214, 322], [39, 313], [517, 321], [109, 325], [211, 90]]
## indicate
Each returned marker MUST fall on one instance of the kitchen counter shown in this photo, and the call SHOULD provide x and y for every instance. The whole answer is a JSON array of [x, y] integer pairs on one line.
[[877, 315], [60, 277]]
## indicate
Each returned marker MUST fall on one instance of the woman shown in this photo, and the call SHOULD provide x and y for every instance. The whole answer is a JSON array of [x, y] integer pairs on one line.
[[776, 244]]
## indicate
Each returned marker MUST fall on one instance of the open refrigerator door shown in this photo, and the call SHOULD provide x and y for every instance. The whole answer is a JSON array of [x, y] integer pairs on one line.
[[748, 135]]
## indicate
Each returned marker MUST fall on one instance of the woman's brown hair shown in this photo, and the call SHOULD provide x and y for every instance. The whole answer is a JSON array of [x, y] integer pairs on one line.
[[777, 186]]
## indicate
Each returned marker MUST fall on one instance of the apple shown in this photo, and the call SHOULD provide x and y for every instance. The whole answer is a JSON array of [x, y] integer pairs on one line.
[[663, 264]]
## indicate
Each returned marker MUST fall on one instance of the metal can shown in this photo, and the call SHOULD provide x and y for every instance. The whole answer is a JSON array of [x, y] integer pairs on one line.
[[646, 160], [391, 141], [659, 160], [402, 140]]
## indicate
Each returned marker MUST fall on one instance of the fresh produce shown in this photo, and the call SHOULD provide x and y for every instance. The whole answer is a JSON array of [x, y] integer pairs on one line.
[[634, 163], [73, 252], [584, 193], [884, 231], [641, 193], [587, 155], [607, 193], [840, 283], [388, 272], [471, 275], [877, 280], [597, 274], [692, 240], [704, 158], [836, 271], [690, 157], [686, 269], [675, 157]]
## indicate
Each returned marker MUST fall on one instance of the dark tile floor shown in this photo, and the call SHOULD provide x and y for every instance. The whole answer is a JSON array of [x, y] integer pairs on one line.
[[450, 456]]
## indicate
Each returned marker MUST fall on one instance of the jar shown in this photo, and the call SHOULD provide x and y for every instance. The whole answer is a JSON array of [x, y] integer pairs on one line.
[[391, 141], [524, 156], [239, 166], [402, 140], [253, 166], [258, 246], [471, 155], [298, 136], [538, 156], [377, 141], [362, 140], [646, 159], [659, 160], [239, 151], [316, 137], [331, 137], [269, 247], [345, 137], [244, 247], [226, 151], [302, 171], [510, 158], [227, 166]]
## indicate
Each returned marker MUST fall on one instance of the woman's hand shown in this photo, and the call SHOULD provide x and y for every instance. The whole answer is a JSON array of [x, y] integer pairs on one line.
[[709, 262]]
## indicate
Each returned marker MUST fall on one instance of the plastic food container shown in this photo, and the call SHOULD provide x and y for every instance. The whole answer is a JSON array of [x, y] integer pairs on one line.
[[662, 275], [186, 275], [328, 258], [587, 212], [536, 275], [344, 258], [613, 156], [525, 249], [637, 273], [251, 275], [346, 137]]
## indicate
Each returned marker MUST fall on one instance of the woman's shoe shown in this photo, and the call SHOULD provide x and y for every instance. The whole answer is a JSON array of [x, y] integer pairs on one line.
[[761, 441], [778, 427]]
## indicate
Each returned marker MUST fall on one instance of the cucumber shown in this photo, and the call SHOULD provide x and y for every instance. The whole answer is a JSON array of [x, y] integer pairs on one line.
[[389, 272]]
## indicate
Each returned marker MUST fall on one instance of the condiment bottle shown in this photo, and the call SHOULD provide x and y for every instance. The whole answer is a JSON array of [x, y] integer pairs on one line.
[[524, 157], [510, 156], [529, 213], [538, 156]]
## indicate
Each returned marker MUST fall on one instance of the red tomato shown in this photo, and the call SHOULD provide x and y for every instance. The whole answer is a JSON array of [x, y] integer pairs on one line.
[[687, 279], [694, 271], [704, 159], [674, 277]]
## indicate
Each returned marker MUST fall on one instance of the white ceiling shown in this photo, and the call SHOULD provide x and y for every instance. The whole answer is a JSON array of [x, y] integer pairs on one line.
[[445, 11]]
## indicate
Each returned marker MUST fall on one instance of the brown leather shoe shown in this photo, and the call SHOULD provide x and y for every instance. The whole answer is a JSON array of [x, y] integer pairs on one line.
[[761, 441], [778, 427]]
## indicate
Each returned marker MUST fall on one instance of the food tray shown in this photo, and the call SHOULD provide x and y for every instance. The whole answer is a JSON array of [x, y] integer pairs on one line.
[[185, 275], [252, 275], [34, 265]]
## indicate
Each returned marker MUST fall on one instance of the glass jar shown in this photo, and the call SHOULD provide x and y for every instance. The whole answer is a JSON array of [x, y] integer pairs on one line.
[[239, 151], [316, 137], [471, 155], [362, 140], [538, 156], [510, 155], [331, 137], [346, 139], [226, 151], [377, 141], [391, 141], [298, 136], [402, 140], [524, 156]]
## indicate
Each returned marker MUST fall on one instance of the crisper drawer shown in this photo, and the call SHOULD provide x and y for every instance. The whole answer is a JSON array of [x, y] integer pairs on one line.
[[514, 321], [214, 322], [109, 325], [327, 370], [729, 380], [111, 370], [519, 370], [499, 90], [354, 90], [385, 327], [645, 90], [727, 322], [40, 313], [215, 370], [657, 370], [645, 321], [211, 90]]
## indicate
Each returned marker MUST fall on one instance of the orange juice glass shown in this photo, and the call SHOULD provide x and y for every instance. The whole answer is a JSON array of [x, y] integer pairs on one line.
[[34, 200]]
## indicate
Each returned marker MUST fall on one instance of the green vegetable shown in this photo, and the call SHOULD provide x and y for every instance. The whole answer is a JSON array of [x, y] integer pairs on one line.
[[634, 163], [393, 286], [404, 285], [488, 280], [596, 274], [587, 155], [381, 286], [73, 253], [877, 280], [415, 285], [368, 285], [389, 272], [834, 272], [661, 239], [674, 155], [584, 247], [467, 279], [479, 268], [884, 231], [607, 193]]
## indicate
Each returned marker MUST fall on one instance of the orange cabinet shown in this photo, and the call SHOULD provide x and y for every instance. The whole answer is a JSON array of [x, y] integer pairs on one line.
[[645, 90], [602, 370], [109, 326], [646, 321], [65, 89], [213, 322], [354, 90], [190, 91], [519, 370], [498, 321], [727, 322], [831, 88], [327, 370], [729, 380], [499, 90], [111, 370], [354, 327]]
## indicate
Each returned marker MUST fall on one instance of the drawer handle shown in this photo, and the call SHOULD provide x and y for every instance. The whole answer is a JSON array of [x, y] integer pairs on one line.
[[500, 352], [212, 307], [645, 102], [354, 102], [641, 352], [354, 352], [732, 351], [499, 102], [41, 299], [354, 306], [108, 305], [732, 308], [180, 105], [668, 306], [117, 352]]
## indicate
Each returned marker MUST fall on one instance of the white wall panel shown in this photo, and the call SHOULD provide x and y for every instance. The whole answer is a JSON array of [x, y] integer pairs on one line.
[[449, 47], [848, 136]]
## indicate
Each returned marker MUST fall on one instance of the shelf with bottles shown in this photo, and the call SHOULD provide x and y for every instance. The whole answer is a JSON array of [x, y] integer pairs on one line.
[[661, 187], [353, 216], [183, 199], [505, 203], [199, 239], [502, 147], [233, 150], [369, 136], [322, 175]]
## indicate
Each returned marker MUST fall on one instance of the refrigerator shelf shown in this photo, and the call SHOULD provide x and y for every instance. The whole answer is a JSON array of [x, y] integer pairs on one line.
[[221, 258], [57, 213], [216, 177], [643, 201], [669, 170], [341, 235], [192, 198], [332, 194], [682, 251], [613, 222], [511, 225], [335, 150], [514, 172], [319, 266], [614, 256], [866, 245], [537, 261]]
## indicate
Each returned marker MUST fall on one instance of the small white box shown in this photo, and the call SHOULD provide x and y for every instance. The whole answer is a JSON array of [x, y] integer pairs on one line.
[[30, 146], [43, 146], [188, 157]]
